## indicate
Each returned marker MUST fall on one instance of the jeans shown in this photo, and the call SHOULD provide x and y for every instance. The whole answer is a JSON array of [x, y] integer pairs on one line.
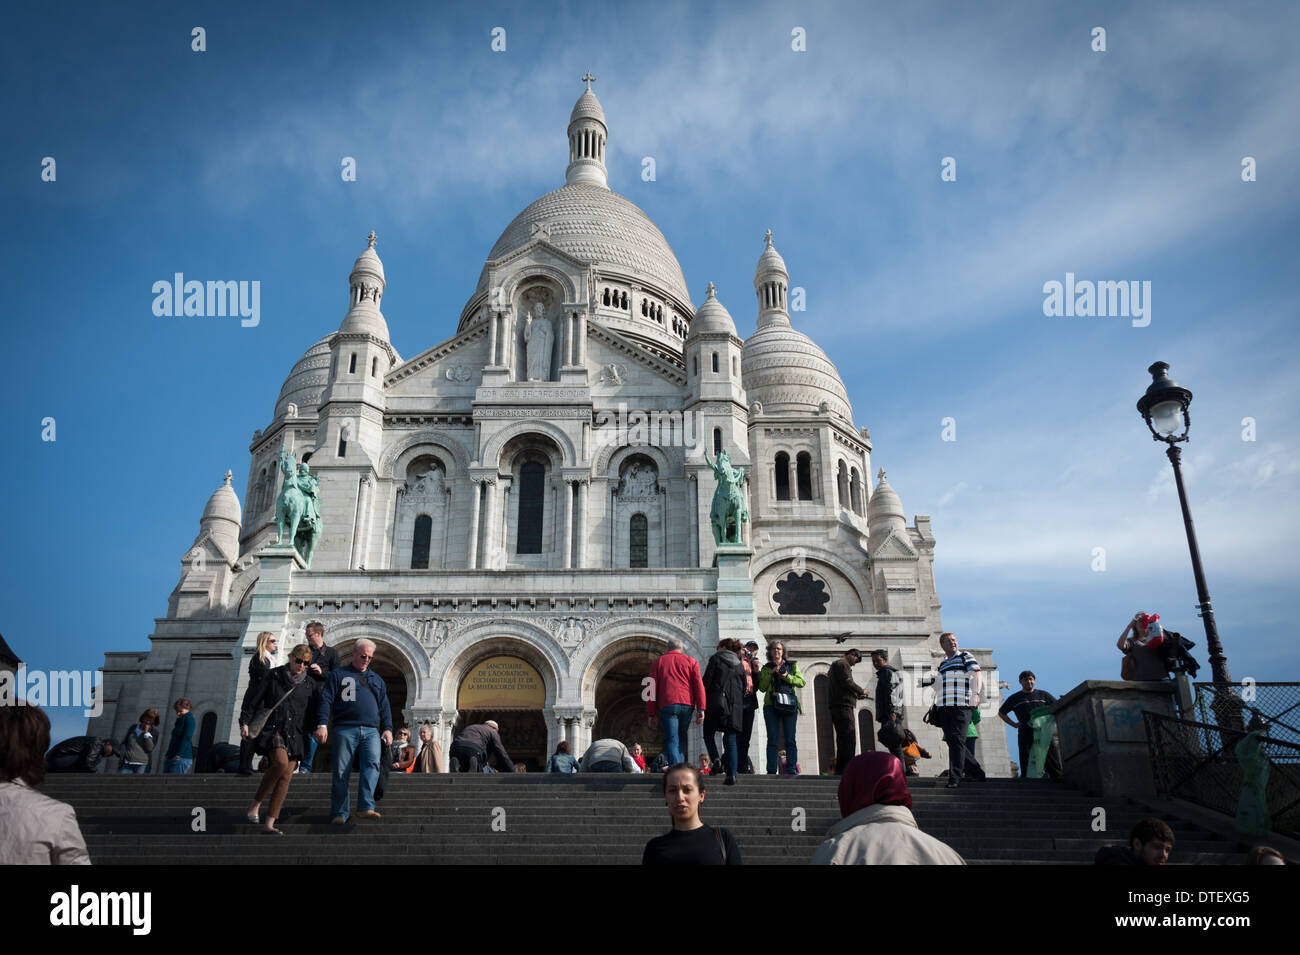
[[605, 766], [775, 722], [363, 741], [730, 753], [177, 765], [305, 765], [675, 718], [133, 768], [746, 732], [459, 757]]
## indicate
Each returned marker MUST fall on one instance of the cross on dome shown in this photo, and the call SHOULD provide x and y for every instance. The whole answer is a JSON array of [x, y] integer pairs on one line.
[[370, 239], [881, 475], [768, 238], [229, 477], [709, 291], [588, 79]]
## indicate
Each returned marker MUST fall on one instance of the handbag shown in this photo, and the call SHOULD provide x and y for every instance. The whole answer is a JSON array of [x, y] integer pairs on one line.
[[259, 721], [931, 715], [784, 700]]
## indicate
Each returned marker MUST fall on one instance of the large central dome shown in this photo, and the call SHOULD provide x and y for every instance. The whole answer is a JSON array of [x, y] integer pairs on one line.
[[597, 226]]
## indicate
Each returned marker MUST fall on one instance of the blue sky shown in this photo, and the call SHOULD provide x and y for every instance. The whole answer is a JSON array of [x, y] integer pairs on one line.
[[1122, 165]]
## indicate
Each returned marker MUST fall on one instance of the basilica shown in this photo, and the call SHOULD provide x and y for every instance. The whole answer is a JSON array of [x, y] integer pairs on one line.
[[519, 516]]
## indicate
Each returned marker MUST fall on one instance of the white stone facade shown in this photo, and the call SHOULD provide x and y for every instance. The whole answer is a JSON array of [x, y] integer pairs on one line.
[[550, 457]]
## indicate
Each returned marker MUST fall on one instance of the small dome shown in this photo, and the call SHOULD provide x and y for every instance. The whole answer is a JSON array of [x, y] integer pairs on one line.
[[306, 382], [785, 370], [712, 317], [587, 107], [769, 261], [885, 510], [223, 505], [368, 262], [367, 285]]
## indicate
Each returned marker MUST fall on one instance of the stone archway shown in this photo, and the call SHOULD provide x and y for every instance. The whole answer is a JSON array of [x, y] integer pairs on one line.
[[614, 684], [508, 680]]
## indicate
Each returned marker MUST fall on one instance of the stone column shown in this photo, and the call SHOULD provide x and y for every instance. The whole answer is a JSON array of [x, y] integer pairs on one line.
[[494, 319], [490, 523], [580, 556], [693, 515], [473, 526], [566, 546]]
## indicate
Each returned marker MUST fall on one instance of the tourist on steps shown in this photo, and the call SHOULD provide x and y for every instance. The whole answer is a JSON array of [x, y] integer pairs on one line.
[[562, 761], [690, 841], [137, 745], [470, 750], [724, 711], [675, 697], [259, 665], [34, 829], [878, 827], [429, 759], [777, 681], [960, 686], [286, 692], [356, 699]]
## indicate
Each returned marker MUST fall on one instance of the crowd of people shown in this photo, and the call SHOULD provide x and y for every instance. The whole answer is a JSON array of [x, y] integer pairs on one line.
[[290, 709]]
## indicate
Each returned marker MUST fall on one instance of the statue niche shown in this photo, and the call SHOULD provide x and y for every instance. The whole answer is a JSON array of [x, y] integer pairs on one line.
[[539, 341]]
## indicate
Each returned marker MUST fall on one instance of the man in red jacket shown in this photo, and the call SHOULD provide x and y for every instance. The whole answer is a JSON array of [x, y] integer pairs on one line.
[[674, 693]]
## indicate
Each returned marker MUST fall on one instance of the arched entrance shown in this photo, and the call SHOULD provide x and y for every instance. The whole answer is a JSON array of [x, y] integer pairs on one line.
[[508, 689], [620, 710]]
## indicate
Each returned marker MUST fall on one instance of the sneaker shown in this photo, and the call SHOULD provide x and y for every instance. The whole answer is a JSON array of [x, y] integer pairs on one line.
[[951, 785], [368, 814], [339, 820]]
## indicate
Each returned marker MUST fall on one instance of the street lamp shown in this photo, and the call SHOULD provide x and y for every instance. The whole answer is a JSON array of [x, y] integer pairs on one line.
[[1164, 408]]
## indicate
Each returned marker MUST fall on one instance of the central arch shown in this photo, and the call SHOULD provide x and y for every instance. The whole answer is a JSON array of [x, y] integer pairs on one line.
[[613, 682], [524, 698]]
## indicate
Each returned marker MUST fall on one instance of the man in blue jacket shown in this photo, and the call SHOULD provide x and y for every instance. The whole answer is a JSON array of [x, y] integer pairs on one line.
[[356, 698], [180, 751]]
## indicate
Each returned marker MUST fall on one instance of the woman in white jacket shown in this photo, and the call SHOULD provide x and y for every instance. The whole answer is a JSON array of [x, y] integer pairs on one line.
[[878, 827], [34, 829]]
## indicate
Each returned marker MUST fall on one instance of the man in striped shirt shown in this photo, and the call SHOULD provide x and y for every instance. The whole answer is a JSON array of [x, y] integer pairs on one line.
[[960, 686]]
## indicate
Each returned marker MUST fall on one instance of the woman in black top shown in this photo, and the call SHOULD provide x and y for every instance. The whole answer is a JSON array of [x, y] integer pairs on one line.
[[286, 691], [690, 842], [259, 664]]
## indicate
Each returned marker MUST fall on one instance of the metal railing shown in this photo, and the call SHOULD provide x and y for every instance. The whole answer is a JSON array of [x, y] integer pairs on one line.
[[1276, 704], [1197, 762]]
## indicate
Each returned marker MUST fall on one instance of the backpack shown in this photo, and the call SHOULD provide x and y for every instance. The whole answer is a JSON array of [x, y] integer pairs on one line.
[[895, 691]]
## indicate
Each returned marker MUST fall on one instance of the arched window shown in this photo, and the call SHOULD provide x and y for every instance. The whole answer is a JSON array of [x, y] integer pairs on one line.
[[695, 365], [422, 542], [605, 298], [374, 367], [733, 366], [352, 365], [803, 466], [625, 308], [717, 441], [842, 485], [855, 491], [645, 307], [207, 736], [532, 490], [782, 476], [343, 443], [715, 362], [638, 547]]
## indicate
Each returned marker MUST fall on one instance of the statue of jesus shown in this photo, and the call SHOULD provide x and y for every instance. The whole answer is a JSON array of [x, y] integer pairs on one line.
[[538, 336]]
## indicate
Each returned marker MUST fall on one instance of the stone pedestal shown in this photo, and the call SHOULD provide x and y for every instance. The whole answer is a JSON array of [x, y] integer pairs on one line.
[[737, 617], [1103, 735], [267, 611]]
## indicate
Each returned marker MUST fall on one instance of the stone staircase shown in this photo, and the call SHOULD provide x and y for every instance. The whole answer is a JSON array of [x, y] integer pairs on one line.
[[575, 820]]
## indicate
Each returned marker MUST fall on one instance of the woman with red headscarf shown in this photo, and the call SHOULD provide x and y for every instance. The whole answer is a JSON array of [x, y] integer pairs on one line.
[[878, 827]]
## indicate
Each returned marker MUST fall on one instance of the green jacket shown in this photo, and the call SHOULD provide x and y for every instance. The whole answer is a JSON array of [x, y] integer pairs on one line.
[[765, 681]]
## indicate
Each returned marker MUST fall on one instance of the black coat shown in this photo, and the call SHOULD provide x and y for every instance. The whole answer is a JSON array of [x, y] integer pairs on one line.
[[257, 669], [724, 692], [292, 719], [328, 660], [81, 754]]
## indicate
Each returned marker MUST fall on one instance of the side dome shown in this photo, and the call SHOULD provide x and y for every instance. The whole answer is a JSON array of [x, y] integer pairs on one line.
[[598, 227], [785, 370], [223, 505], [712, 317], [306, 382]]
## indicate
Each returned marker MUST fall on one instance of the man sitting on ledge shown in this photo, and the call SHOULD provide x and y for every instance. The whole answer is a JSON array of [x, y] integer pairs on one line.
[[608, 756]]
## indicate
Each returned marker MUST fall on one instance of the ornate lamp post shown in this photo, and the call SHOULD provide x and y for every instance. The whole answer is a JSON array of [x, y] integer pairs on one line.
[[1164, 408]]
